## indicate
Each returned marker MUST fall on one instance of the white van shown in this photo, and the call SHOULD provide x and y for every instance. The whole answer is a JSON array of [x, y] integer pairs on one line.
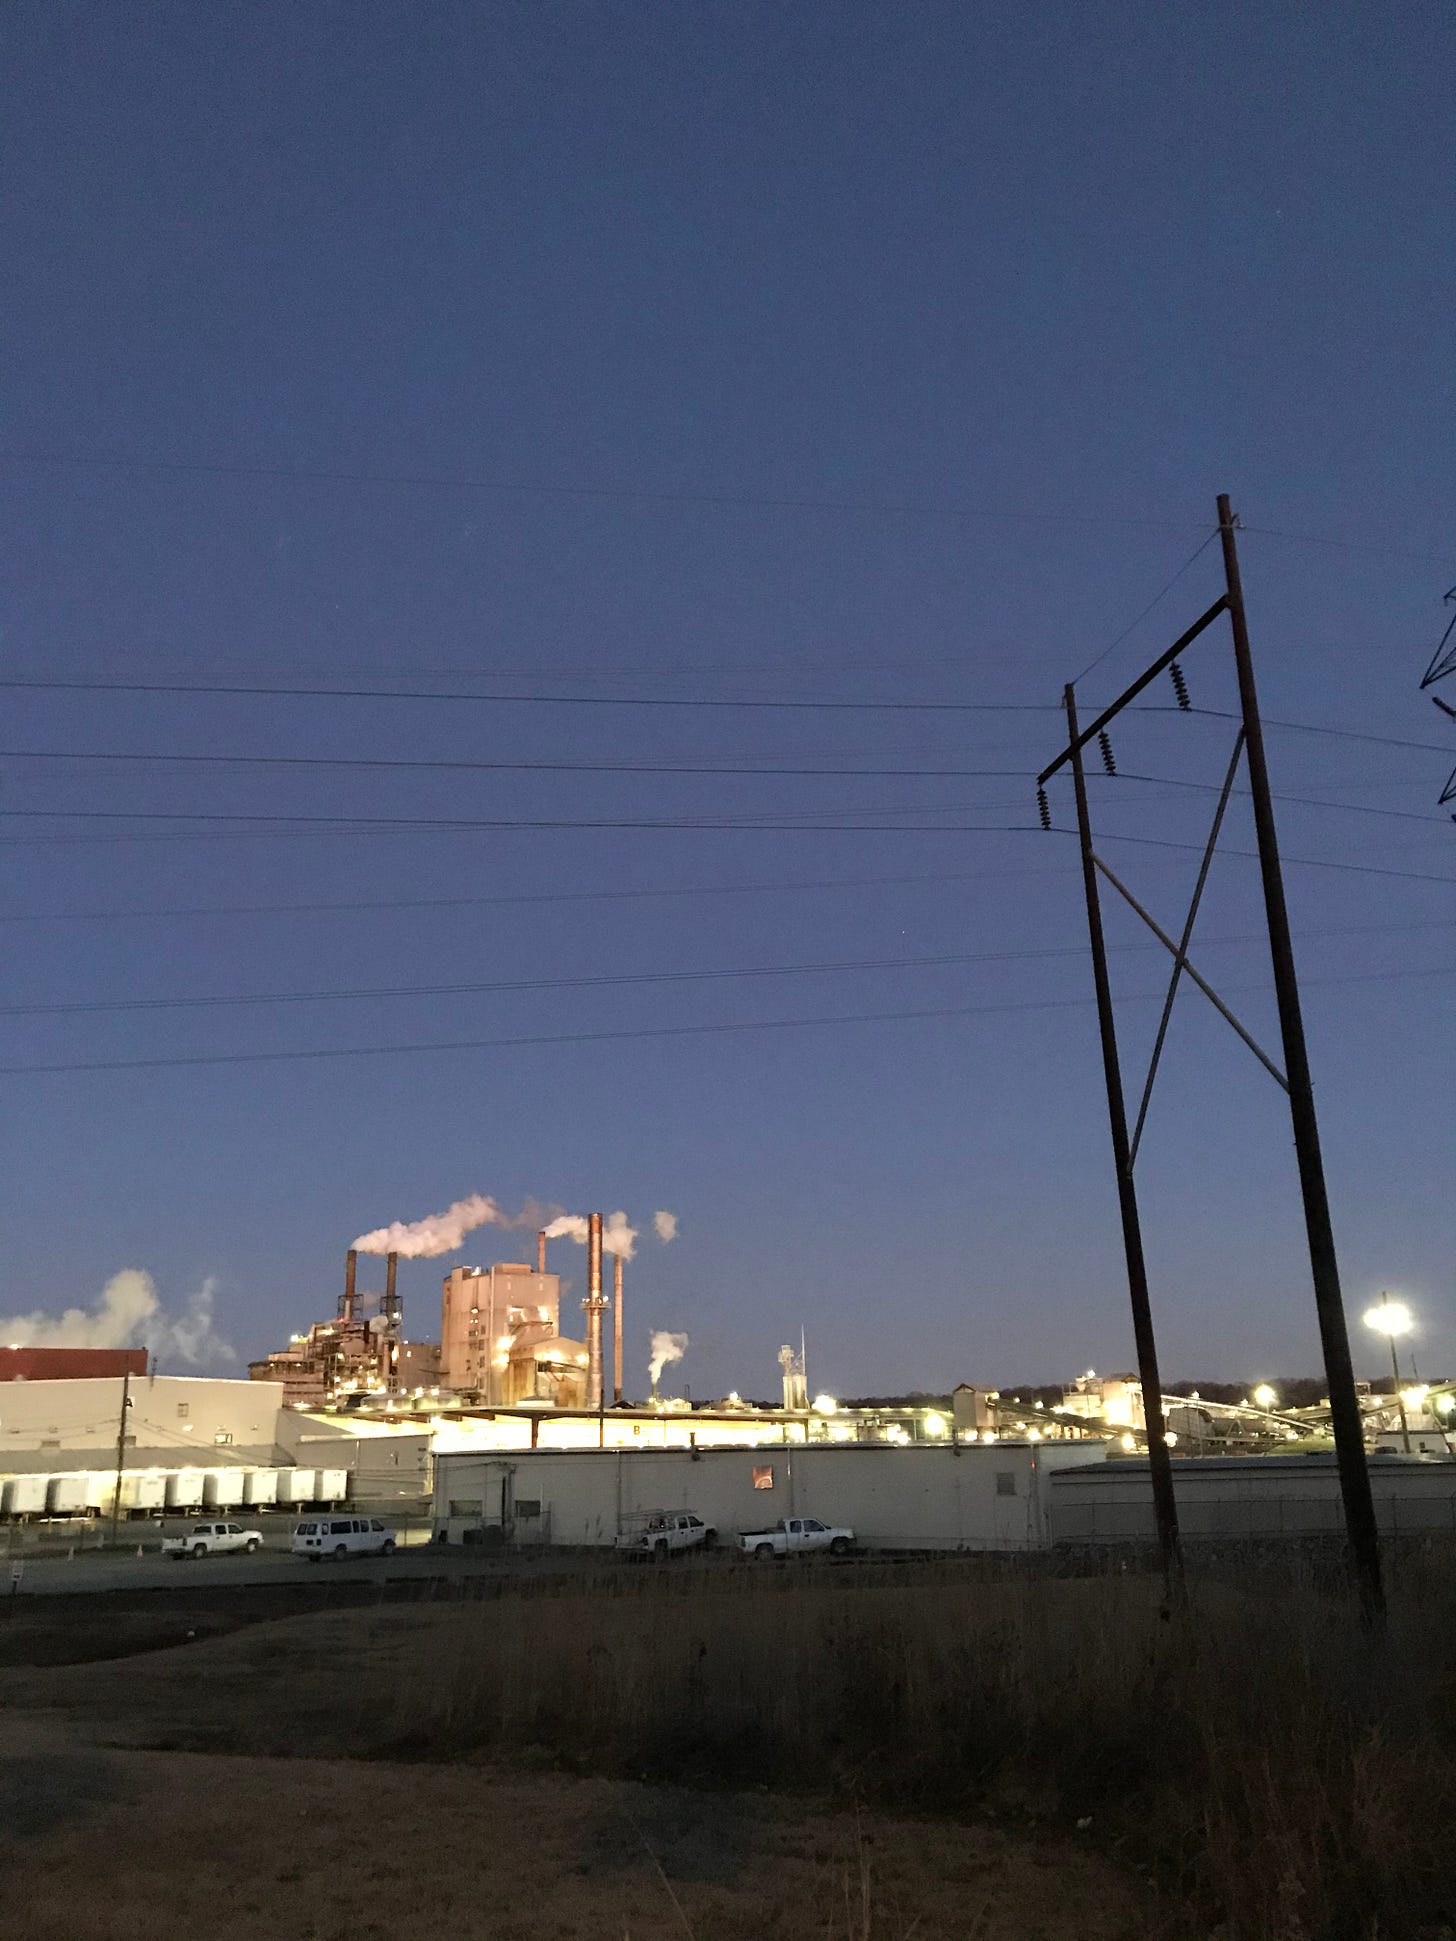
[[343, 1536]]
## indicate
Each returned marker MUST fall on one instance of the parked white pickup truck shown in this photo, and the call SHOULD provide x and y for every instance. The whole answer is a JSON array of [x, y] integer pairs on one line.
[[796, 1534], [662, 1533], [212, 1540]]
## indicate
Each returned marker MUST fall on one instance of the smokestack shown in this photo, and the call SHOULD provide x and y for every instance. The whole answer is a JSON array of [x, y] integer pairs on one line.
[[594, 1305], [391, 1274], [617, 1328], [541, 1251], [351, 1268]]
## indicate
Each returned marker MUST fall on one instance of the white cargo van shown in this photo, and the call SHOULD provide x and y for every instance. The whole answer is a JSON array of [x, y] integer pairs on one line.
[[343, 1536]]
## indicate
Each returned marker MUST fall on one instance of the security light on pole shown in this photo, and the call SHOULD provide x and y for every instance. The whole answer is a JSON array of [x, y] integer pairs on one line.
[[1393, 1318]]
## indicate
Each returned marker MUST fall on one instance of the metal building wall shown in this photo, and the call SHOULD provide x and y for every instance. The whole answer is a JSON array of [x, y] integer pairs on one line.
[[173, 1419], [919, 1498], [1247, 1497]]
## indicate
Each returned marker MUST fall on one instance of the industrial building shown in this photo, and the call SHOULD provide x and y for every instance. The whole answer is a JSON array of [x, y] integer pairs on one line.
[[171, 1420], [1249, 1497], [942, 1496], [19, 1364], [500, 1337]]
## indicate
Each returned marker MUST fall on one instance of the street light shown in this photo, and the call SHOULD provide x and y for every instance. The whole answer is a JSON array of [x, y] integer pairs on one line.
[[1265, 1396], [1393, 1318]]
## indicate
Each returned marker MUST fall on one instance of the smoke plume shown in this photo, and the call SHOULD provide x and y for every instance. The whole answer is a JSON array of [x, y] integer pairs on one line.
[[568, 1226], [442, 1233], [619, 1236], [665, 1348], [127, 1314]]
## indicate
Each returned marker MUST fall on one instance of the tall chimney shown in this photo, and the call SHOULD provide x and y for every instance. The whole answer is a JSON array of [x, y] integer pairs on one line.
[[351, 1268], [391, 1274], [617, 1328], [541, 1251], [594, 1305]]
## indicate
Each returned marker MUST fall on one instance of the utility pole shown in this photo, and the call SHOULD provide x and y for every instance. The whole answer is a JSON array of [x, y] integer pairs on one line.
[[120, 1454], [1334, 1337], [1165, 1507], [1395, 1375]]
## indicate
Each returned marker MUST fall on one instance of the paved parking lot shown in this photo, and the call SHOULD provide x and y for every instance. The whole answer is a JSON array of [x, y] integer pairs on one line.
[[106, 1570]]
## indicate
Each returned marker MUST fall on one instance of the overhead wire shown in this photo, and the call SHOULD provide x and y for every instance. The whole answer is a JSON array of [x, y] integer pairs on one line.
[[1252, 856], [469, 764], [737, 501], [753, 501], [1143, 613], [528, 897], [1300, 727], [275, 691], [655, 1032], [628, 979]]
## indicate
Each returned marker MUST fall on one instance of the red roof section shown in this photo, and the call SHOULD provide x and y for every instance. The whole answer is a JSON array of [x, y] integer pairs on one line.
[[61, 1364]]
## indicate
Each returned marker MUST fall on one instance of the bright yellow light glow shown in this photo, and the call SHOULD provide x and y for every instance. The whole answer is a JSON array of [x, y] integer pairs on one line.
[[1445, 1404], [1265, 1396], [825, 1405], [1129, 1442], [1389, 1317], [988, 1435], [1171, 1438], [934, 1424], [1415, 1398], [1033, 1435]]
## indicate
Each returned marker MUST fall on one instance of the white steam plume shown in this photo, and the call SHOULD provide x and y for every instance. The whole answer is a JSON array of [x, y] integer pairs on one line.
[[442, 1233], [568, 1226], [126, 1309], [618, 1237], [191, 1337], [665, 1348]]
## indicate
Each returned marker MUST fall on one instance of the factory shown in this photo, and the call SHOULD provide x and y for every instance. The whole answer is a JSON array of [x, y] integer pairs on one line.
[[512, 1430]]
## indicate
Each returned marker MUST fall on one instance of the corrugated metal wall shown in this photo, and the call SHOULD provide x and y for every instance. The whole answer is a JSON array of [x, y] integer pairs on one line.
[[919, 1498]]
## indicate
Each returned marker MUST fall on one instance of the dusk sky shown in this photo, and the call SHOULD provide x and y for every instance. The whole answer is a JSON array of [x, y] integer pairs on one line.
[[548, 356]]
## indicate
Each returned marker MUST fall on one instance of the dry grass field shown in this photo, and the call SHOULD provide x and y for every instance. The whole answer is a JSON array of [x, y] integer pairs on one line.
[[952, 1754]]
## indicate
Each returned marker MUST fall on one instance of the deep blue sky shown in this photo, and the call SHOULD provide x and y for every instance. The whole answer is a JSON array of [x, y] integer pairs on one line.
[[821, 286]]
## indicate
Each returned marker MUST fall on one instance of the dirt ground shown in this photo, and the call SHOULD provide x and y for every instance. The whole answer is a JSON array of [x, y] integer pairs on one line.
[[182, 1791]]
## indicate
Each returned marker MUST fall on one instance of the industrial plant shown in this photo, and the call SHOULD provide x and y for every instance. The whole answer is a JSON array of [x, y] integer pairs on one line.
[[508, 1429]]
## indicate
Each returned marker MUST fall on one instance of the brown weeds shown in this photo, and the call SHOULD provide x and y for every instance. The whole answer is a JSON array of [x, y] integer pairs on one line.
[[1280, 1769]]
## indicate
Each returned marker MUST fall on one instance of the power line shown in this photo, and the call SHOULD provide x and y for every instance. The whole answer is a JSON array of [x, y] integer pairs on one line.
[[1251, 855], [628, 979], [1159, 596], [788, 822], [271, 691], [1304, 728], [624, 494], [748, 501], [1301, 801], [531, 897], [500, 767], [647, 1032]]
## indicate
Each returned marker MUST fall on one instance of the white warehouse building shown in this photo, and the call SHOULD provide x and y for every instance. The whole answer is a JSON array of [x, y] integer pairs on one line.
[[944, 1496], [171, 1420]]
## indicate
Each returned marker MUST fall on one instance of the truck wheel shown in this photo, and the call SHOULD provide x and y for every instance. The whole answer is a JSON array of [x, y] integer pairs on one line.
[[386, 1549], [839, 1547], [199, 1549], [764, 1550], [710, 1540], [253, 1545], [341, 1550], [659, 1552]]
